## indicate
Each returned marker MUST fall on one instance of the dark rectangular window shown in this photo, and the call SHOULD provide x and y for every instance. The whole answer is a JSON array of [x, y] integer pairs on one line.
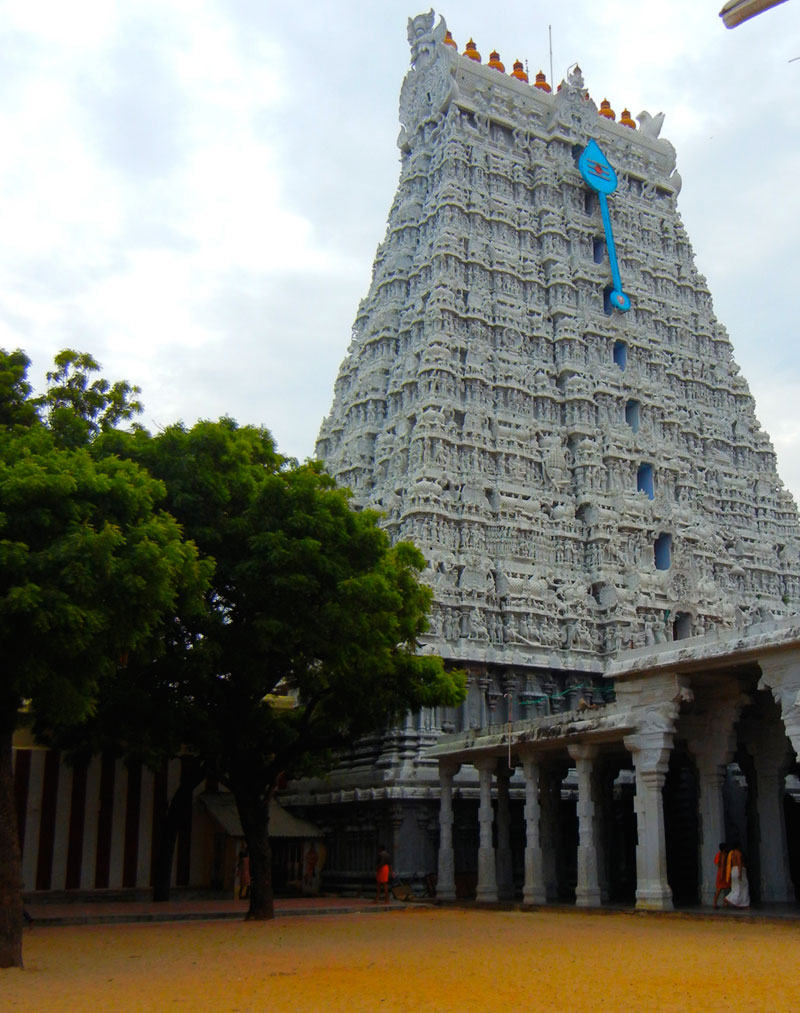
[[632, 415], [644, 480], [662, 550]]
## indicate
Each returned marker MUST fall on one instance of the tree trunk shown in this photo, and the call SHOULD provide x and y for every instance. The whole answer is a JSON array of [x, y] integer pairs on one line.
[[254, 816], [10, 862], [179, 808]]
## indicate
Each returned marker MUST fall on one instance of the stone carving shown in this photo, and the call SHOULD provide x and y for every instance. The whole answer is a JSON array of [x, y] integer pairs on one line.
[[650, 125], [429, 87]]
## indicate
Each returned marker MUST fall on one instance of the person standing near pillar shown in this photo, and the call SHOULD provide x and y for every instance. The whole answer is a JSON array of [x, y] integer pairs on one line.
[[740, 888], [382, 875], [723, 877]]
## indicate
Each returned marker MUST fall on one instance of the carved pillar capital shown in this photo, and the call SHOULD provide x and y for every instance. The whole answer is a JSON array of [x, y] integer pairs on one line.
[[582, 751], [780, 674], [530, 766], [650, 751], [493, 698]]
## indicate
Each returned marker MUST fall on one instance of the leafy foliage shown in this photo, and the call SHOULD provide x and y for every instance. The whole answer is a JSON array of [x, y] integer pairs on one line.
[[76, 408], [163, 645], [90, 565], [307, 598]]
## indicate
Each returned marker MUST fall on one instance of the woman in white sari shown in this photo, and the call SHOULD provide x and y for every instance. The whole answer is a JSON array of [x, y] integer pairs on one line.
[[740, 889]]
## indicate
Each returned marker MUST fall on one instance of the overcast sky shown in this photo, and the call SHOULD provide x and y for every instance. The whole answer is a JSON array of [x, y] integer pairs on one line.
[[193, 191]]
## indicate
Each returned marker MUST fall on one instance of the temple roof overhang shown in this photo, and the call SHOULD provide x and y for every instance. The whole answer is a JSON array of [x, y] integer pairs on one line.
[[555, 731], [653, 682], [715, 650]]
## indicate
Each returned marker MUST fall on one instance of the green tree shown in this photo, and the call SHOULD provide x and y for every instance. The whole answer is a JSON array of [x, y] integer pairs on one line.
[[89, 566], [76, 408], [307, 598]]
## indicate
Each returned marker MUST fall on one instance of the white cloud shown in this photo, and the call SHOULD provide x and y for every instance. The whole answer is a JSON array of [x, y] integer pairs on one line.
[[193, 190]]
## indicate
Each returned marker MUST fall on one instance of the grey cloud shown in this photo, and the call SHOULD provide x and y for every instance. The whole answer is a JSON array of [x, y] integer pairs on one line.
[[134, 106]]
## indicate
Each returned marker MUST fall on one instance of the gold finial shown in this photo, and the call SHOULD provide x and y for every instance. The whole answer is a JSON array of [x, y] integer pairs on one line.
[[606, 110], [472, 52], [449, 40], [627, 120], [519, 72], [494, 61], [541, 82]]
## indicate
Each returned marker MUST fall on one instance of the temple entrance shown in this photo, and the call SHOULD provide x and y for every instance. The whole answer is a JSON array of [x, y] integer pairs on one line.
[[619, 839], [741, 815], [681, 828], [791, 814], [558, 798], [466, 839], [567, 856]]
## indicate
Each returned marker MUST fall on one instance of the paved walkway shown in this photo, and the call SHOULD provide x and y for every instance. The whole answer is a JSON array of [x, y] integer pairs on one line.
[[102, 911]]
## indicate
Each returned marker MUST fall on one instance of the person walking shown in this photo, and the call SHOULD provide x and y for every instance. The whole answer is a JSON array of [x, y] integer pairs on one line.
[[383, 873], [740, 888], [723, 877]]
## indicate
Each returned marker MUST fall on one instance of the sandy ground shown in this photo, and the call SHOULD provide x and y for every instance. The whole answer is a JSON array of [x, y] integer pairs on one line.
[[414, 960]]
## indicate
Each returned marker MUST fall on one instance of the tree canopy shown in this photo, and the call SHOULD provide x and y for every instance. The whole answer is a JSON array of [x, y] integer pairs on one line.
[[166, 589], [89, 566], [307, 599]]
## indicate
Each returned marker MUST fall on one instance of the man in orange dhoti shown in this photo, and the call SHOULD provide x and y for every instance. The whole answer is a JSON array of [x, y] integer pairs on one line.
[[723, 875]]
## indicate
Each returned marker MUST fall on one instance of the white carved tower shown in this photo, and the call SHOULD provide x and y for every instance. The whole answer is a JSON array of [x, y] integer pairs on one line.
[[581, 479]]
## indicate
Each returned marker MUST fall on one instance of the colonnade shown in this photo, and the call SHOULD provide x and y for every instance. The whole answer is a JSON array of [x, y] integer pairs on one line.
[[494, 859], [542, 776], [702, 715]]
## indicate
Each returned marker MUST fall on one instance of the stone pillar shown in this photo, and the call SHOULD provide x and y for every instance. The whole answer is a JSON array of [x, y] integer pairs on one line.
[[780, 674], [587, 891], [533, 891], [651, 758], [487, 862], [446, 874], [484, 682], [711, 736], [711, 777], [776, 880], [772, 753], [505, 871]]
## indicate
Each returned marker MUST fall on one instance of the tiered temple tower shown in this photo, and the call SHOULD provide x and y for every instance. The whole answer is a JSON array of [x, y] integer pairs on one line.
[[582, 479]]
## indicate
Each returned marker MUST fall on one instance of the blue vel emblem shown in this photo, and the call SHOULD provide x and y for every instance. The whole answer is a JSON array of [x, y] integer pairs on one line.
[[599, 174]]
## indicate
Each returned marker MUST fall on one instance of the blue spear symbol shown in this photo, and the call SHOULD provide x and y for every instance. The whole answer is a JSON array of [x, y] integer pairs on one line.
[[598, 173]]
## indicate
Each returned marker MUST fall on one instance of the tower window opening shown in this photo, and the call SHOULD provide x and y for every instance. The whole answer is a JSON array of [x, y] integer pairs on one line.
[[632, 415], [608, 309], [644, 480], [588, 203], [682, 627], [662, 551], [621, 354], [598, 250]]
